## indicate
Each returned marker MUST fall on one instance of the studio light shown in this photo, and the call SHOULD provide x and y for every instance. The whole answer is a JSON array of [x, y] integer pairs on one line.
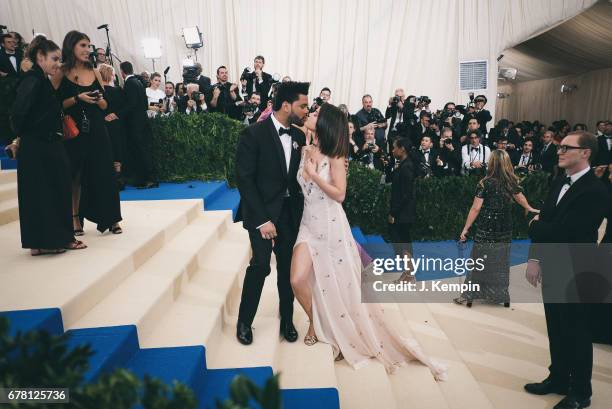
[[192, 37], [152, 49]]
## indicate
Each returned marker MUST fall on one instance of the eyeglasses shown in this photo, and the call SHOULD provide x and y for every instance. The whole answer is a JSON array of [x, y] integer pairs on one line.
[[474, 137], [565, 148]]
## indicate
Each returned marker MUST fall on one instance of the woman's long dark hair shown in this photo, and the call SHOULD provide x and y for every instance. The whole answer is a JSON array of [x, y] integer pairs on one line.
[[70, 41], [332, 131]]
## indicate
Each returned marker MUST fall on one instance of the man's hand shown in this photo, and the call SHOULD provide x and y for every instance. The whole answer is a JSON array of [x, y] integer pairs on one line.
[[375, 149], [439, 161], [191, 103], [268, 231], [3, 74], [391, 219], [233, 87], [201, 99], [110, 117], [216, 92], [535, 219], [476, 164], [600, 170], [533, 273]]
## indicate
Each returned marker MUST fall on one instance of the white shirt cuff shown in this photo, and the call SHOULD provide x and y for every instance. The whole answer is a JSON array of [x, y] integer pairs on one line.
[[259, 227]]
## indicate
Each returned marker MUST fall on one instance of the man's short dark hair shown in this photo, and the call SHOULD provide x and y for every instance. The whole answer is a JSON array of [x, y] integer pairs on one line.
[[587, 140], [260, 57], [170, 82], [256, 93], [325, 89], [502, 139], [424, 113], [366, 96], [600, 122], [127, 68], [4, 37], [222, 66], [475, 119], [405, 143], [290, 92]]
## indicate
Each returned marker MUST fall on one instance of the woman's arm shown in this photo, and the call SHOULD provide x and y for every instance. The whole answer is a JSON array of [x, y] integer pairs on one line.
[[522, 200], [472, 215], [336, 188]]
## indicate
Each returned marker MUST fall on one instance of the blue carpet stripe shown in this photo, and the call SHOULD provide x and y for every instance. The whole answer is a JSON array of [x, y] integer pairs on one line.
[[46, 319]]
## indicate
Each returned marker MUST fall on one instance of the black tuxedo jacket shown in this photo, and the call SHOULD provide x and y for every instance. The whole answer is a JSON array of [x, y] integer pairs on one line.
[[263, 89], [418, 157], [565, 237], [604, 156], [262, 175], [549, 158], [515, 157], [5, 63], [135, 110], [403, 203], [204, 83]]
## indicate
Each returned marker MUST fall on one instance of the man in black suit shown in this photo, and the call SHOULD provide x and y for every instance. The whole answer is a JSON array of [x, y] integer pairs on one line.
[[421, 128], [448, 161], [271, 202], [572, 214], [192, 102], [139, 137], [258, 81], [604, 157], [202, 80], [223, 96], [548, 154], [526, 159], [425, 158], [10, 57]]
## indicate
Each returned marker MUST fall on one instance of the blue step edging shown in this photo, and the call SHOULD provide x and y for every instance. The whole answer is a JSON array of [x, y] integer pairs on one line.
[[7, 163], [118, 347]]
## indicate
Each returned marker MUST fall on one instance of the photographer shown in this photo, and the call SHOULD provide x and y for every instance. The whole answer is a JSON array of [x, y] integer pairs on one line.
[[170, 103], [395, 112], [528, 160], [222, 96], [250, 109], [202, 80], [369, 117], [257, 81], [482, 114], [421, 128], [101, 56], [450, 118], [193, 102], [422, 105], [472, 125], [325, 94], [425, 158], [474, 155], [372, 155], [448, 162]]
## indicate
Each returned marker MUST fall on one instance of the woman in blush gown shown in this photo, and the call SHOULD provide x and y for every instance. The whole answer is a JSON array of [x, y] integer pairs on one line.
[[326, 266]]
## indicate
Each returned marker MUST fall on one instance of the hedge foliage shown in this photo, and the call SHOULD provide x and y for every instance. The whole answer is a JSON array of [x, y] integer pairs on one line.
[[204, 147]]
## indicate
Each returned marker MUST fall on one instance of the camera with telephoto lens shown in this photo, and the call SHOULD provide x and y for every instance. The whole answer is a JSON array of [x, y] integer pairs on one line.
[[395, 100], [190, 74], [195, 95], [424, 99], [247, 74], [376, 116]]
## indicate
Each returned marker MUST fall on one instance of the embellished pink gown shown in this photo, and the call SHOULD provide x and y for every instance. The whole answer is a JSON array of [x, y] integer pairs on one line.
[[356, 329]]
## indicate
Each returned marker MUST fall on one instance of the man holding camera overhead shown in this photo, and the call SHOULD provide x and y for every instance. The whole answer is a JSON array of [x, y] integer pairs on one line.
[[223, 96], [257, 81], [370, 117]]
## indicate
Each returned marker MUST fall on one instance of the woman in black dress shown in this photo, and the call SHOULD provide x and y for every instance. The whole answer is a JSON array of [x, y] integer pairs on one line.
[[43, 173], [95, 193], [114, 123], [492, 207]]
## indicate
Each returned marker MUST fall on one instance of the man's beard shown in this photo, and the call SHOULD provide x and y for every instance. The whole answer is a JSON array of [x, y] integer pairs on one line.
[[296, 120]]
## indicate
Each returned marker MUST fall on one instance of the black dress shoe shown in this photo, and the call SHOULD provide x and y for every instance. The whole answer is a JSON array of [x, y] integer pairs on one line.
[[573, 402], [288, 331], [545, 387], [244, 334]]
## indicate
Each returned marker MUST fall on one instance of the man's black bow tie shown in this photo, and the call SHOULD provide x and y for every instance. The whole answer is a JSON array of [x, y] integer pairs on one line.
[[424, 152], [475, 149], [568, 181], [282, 131]]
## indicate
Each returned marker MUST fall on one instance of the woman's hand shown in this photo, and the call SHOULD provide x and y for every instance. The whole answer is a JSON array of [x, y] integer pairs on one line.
[[463, 236], [110, 117], [310, 166], [86, 98]]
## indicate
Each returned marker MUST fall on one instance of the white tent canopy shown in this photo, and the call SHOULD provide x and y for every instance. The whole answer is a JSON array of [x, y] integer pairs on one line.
[[351, 46]]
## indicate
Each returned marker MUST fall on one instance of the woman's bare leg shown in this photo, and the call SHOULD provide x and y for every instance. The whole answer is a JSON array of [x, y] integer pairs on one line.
[[301, 274]]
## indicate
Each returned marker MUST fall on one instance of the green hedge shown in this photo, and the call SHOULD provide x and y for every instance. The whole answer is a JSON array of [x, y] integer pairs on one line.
[[195, 147], [204, 147]]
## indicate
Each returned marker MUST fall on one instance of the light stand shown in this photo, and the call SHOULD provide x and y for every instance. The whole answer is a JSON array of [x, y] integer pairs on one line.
[[193, 39], [109, 53]]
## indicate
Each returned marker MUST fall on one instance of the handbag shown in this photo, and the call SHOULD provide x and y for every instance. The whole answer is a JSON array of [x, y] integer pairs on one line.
[[71, 130]]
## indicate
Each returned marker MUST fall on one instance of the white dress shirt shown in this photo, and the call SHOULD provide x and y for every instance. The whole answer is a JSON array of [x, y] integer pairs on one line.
[[573, 178], [13, 60], [480, 153]]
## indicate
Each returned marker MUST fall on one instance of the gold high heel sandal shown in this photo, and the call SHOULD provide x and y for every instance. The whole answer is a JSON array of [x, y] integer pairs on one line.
[[310, 340]]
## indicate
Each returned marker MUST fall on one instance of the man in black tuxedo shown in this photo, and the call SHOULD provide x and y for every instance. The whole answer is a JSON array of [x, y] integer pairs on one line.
[[258, 81], [548, 154], [139, 137], [223, 96], [604, 157], [572, 213], [10, 57], [425, 158], [192, 102], [526, 159], [421, 128], [271, 202]]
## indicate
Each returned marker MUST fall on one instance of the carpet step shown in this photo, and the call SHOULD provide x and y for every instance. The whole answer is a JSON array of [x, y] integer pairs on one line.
[[8, 176], [218, 380], [7, 163], [112, 347], [162, 276], [9, 211], [45, 319], [72, 281], [8, 191]]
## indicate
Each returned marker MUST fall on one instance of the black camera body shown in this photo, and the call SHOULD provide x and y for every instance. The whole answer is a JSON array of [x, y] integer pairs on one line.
[[247, 74], [376, 116], [424, 99], [248, 107], [195, 95], [317, 102], [190, 74], [395, 100]]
